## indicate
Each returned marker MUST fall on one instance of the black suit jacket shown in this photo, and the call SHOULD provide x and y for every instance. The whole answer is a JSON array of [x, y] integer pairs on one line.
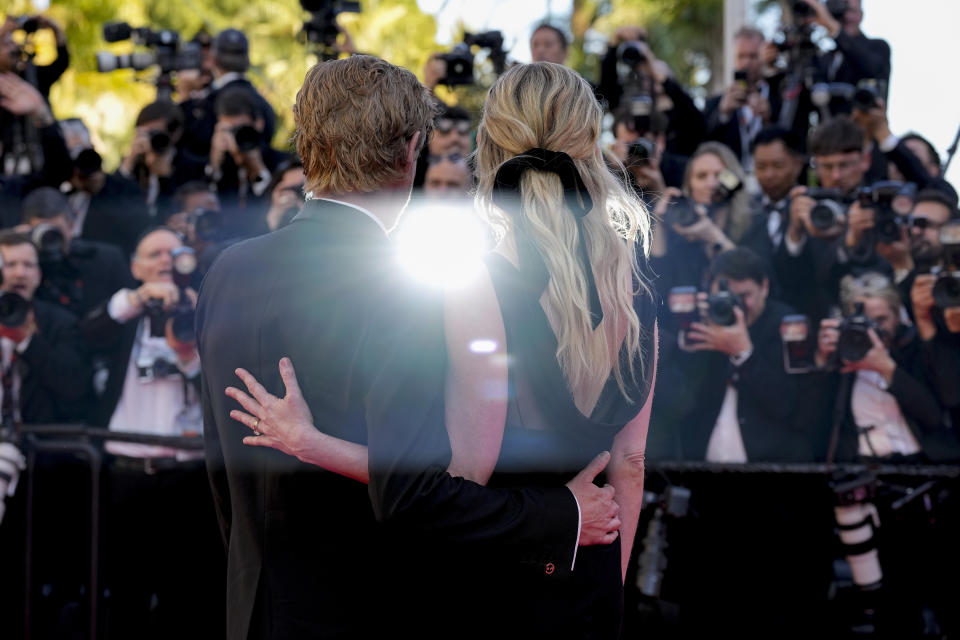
[[90, 274], [117, 215], [692, 386], [301, 542], [55, 376]]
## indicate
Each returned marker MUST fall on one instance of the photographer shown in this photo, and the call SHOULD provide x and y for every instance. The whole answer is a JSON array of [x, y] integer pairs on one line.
[[745, 401], [891, 411], [548, 44], [45, 377], [778, 163], [909, 156], [229, 62], [826, 236], [20, 99], [856, 56], [106, 207], [153, 161], [144, 340], [11, 57], [632, 78], [643, 152], [78, 274], [736, 117], [447, 178], [710, 216], [241, 161]]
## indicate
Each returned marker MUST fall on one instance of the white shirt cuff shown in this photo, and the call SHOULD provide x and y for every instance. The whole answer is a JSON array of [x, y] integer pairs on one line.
[[794, 248], [121, 309], [740, 358], [579, 527], [261, 183], [24, 344], [889, 143], [191, 368]]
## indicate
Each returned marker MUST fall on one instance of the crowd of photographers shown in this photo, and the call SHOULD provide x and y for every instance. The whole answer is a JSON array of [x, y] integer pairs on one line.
[[807, 257]]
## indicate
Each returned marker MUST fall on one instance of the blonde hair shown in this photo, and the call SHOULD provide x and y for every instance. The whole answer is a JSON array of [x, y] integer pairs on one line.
[[738, 220], [868, 285], [546, 105], [353, 119]]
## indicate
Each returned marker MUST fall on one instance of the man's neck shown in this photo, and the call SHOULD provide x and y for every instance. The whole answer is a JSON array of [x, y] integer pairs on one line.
[[385, 205]]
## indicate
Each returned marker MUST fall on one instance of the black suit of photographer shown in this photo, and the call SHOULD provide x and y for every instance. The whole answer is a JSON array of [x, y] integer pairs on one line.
[[200, 118], [857, 58], [57, 168], [691, 392], [941, 360], [55, 376], [88, 275], [116, 215], [911, 387], [685, 125]]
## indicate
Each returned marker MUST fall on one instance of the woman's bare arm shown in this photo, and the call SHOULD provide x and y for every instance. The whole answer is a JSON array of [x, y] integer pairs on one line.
[[626, 469]]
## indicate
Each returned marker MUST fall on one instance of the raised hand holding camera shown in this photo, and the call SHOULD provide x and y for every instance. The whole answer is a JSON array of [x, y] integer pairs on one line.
[[725, 329], [859, 220], [876, 359]]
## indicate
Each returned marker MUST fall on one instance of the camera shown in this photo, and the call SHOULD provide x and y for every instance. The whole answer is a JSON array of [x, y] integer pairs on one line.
[[50, 242], [854, 341], [321, 29], [879, 196], [640, 150], [721, 305], [631, 53], [206, 223], [460, 59], [28, 24], [14, 310], [247, 138], [682, 212], [168, 52], [727, 185], [829, 209], [946, 289], [160, 141], [182, 316]]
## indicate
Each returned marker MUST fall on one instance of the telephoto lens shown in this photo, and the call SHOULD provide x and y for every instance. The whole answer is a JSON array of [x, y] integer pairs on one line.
[[247, 138], [159, 141]]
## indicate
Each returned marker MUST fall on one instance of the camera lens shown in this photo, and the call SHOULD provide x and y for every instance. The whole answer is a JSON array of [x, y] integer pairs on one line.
[[720, 310], [946, 290], [247, 138], [631, 54], [13, 310], [681, 212], [159, 141], [825, 214], [854, 343]]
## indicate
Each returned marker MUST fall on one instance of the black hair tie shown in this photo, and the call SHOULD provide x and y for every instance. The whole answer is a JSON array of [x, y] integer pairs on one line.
[[506, 195]]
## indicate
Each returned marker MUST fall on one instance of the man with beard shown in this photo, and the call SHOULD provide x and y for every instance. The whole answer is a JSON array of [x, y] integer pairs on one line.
[[919, 249]]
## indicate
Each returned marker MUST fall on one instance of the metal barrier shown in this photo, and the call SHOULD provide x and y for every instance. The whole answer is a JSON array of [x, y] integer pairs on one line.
[[38, 439]]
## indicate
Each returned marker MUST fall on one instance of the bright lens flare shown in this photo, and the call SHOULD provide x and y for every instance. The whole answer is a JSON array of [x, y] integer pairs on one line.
[[442, 246]]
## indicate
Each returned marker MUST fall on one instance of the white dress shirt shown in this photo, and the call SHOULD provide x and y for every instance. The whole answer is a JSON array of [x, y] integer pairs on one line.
[[873, 406], [168, 406]]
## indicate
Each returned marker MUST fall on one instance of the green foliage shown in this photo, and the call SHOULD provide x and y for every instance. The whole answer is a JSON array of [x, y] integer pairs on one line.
[[393, 29]]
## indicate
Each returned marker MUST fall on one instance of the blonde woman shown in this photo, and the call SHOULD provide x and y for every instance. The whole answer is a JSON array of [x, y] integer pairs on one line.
[[683, 253], [566, 311]]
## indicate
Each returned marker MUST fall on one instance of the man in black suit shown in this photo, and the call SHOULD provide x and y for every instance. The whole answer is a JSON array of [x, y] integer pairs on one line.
[[736, 117], [230, 60], [106, 207], [733, 399], [78, 274], [304, 556], [43, 364]]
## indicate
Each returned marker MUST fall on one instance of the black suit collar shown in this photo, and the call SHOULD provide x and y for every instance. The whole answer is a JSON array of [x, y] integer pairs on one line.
[[332, 212]]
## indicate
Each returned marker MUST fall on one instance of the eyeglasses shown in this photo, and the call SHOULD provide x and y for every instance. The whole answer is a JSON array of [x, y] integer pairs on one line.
[[446, 126], [921, 224], [450, 157], [842, 166]]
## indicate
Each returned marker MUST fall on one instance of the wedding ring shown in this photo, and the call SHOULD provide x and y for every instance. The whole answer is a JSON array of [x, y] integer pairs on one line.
[[256, 423]]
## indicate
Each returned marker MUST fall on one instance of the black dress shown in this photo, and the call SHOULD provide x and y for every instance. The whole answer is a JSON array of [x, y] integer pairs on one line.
[[546, 441]]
